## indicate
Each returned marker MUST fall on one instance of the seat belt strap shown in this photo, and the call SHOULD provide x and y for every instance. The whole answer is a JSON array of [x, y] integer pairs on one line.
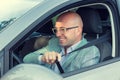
[[94, 42], [59, 66]]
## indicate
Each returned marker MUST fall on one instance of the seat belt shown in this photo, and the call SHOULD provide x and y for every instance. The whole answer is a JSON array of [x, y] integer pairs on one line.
[[91, 43]]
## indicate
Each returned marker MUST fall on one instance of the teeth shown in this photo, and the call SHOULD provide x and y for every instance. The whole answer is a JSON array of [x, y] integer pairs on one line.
[[61, 39]]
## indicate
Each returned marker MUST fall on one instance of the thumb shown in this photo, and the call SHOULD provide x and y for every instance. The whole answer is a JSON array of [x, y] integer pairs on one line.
[[59, 57]]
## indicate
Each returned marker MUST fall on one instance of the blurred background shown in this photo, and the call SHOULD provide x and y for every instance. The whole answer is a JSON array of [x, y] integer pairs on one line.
[[10, 10]]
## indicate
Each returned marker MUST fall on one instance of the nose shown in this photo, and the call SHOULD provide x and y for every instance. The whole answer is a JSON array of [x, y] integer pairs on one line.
[[58, 33]]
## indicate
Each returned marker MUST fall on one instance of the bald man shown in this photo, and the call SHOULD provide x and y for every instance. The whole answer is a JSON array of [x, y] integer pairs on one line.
[[68, 30]]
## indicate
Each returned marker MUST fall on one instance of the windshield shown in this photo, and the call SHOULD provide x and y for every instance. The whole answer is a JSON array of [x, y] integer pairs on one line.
[[10, 10]]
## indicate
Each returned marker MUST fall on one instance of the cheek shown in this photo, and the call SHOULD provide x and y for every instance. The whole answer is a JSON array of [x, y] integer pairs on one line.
[[78, 32], [71, 36]]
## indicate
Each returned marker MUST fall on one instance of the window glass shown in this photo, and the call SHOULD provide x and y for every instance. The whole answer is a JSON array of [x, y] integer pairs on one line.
[[10, 10]]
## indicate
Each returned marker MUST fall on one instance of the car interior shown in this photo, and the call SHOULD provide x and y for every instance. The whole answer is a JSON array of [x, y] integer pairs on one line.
[[96, 29], [92, 18]]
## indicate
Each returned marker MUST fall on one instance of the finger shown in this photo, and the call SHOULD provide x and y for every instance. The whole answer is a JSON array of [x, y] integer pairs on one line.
[[52, 57], [49, 57], [59, 57], [43, 59], [46, 57]]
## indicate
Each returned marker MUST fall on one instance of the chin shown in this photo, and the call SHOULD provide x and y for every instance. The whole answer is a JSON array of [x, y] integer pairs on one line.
[[62, 45]]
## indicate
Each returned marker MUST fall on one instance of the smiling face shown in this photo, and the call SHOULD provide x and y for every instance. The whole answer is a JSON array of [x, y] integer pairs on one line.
[[68, 37]]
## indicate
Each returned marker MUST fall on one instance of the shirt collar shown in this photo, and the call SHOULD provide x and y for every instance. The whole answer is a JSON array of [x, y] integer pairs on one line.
[[71, 48]]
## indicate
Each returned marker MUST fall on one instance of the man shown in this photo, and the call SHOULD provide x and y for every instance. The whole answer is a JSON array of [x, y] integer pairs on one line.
[[68, 29]]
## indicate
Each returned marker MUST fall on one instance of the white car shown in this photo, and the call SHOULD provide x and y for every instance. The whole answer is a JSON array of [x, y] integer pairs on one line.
[[101, 20]]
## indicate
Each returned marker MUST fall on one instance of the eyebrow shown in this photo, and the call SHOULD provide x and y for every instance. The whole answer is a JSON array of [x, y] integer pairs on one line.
[[60, 27]]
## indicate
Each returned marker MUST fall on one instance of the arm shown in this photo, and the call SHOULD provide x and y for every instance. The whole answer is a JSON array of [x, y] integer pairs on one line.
[[91, 58], [34, 56], [39, 58]]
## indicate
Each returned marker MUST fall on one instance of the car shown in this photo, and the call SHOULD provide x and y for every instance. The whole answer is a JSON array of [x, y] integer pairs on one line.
[[101, 20]]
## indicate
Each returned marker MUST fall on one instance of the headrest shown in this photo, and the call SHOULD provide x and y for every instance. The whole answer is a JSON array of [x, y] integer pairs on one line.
[[91, 20]]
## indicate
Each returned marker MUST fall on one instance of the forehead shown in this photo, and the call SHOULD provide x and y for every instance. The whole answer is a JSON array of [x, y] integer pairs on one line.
[[66, 23], [59, 24]]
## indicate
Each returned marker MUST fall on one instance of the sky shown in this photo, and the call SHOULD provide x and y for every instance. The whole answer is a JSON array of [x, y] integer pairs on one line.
[[15, 8]]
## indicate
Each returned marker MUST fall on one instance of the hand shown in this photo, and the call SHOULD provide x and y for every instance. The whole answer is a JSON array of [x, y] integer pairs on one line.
[[50, 57]]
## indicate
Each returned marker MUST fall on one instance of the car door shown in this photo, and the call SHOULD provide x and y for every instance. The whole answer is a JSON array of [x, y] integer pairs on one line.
[[35, 19]]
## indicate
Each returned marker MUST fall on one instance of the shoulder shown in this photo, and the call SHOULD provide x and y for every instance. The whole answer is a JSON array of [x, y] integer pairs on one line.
[[53, 45], [90, 50], [92, 47]]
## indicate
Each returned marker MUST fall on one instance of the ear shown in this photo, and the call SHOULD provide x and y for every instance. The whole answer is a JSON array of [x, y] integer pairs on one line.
[[79, 30]]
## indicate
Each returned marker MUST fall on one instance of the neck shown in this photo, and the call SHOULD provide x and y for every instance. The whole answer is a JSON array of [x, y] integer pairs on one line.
[[65, 50]]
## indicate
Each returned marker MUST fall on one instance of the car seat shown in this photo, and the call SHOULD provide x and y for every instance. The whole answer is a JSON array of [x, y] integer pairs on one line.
[[92, 29]]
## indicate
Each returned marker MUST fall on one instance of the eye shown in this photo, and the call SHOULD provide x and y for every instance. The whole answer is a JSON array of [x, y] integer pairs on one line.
[[62, 29]]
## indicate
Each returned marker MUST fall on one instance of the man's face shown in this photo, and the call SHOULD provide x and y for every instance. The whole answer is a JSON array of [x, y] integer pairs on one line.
[[68, 37]]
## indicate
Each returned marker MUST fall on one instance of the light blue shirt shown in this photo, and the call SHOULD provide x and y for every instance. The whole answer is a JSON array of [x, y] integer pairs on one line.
[[63, 59]]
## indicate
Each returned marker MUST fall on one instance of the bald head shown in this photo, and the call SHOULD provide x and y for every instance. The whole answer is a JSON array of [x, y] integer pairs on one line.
[[71, 17], [69, 28]]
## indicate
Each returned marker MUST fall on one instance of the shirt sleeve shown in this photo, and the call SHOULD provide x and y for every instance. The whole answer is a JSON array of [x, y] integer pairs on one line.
[[91, 58], [90, 62], [39, 60], [33, 57]]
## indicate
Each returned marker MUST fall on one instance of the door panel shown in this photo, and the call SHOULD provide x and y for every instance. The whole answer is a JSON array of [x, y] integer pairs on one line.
[[107, 72]]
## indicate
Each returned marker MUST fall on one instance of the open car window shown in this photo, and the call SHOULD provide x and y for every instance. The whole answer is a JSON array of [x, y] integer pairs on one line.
[[99, 25]]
